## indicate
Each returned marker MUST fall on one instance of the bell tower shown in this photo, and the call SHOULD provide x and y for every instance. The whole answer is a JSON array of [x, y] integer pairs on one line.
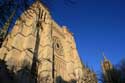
[[106, 65], [106, 68]]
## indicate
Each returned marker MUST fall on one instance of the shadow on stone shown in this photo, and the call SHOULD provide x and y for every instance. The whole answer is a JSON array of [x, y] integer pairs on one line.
[[6, 76], [9, 76], [59, 79]]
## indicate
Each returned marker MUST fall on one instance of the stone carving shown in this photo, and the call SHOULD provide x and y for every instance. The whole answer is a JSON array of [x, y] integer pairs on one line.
[[37, 35], [58, 46]]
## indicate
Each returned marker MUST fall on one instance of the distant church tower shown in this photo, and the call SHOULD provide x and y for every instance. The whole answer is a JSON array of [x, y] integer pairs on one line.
[[106, 68]]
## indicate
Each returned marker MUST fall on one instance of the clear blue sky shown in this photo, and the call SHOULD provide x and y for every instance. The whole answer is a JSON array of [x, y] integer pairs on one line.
[[98, 26]]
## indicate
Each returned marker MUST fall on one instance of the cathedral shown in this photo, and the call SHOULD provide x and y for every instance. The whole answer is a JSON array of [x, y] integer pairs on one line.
[[48, 50]]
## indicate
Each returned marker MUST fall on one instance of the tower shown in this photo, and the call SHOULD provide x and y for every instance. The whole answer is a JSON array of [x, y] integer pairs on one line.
[[106, 68], [106, 65]]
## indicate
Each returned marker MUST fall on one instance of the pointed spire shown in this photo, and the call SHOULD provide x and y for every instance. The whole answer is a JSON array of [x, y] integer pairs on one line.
[[104, 57], [37, 1]]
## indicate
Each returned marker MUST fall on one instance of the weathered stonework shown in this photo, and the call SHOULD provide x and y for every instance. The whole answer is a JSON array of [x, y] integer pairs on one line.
[[37, 35]]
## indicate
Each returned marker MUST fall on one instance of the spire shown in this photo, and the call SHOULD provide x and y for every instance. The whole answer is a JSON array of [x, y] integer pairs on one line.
[[104, 57], [106, 68], [38, 1]]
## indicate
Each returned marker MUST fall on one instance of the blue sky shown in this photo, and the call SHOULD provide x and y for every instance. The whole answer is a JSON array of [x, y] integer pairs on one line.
[[98, 26]]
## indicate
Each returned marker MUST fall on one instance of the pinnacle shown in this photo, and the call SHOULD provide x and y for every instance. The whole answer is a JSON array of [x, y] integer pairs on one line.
[[104, 57]]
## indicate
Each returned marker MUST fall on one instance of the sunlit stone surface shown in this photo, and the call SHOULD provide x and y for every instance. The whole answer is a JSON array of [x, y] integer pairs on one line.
[[36, 34]]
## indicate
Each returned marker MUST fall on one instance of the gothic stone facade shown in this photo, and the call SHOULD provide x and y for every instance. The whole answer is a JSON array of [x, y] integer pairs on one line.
[[36, 37]]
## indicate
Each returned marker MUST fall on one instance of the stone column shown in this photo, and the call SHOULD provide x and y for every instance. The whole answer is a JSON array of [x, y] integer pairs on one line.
[[45, 53]]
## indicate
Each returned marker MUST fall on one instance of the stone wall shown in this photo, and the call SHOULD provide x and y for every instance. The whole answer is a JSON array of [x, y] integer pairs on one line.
[[38, 42]]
